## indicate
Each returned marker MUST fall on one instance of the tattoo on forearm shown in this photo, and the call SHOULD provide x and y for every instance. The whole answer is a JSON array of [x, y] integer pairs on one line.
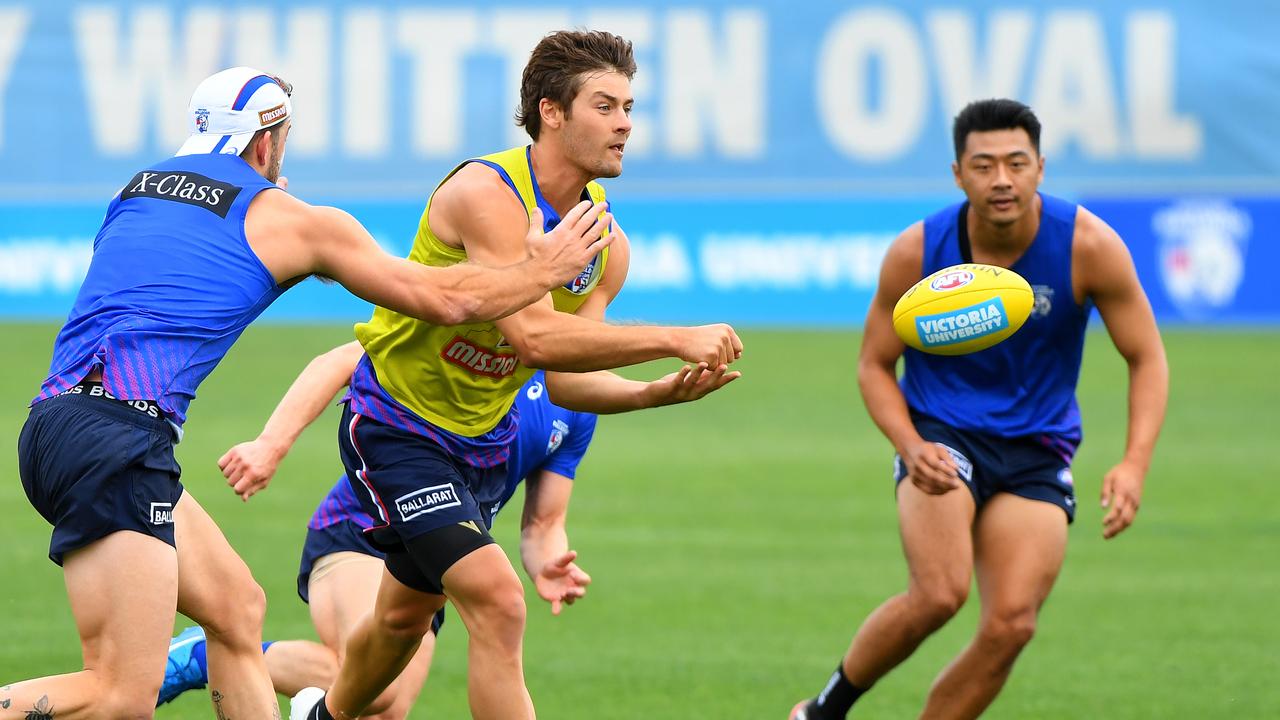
[[42, 711], [217, 705]]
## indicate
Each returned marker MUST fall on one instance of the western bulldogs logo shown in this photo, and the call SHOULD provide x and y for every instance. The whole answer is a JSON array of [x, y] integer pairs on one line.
[[1202, 251], [202, 120], [1043, 303], [951, 281], [559, 429], [586, 279]]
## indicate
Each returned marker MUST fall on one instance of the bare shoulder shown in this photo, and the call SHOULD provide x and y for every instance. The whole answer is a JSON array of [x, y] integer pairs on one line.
[[474, 191], [1100, 260], [903, 261], [1094, 238]]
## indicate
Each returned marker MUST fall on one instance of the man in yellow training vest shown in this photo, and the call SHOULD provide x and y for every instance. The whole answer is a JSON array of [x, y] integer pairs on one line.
[[429, 416]]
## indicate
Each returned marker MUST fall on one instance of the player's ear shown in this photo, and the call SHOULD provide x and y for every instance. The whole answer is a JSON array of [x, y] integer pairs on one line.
[[551, 112], [955, 173]]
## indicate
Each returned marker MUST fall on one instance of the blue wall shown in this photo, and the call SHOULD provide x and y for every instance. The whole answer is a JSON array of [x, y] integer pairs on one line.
[[778, 146]]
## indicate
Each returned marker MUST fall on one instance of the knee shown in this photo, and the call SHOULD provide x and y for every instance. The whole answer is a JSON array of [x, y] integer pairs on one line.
[[1010, 631], [129, 702], [239, 614], [500, 615], [405, 624], [936, 604]]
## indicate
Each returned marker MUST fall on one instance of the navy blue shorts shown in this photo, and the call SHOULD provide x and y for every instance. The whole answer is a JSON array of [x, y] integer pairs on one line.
[[343, 536], [93, 465], [410, 485], [1029, 467]]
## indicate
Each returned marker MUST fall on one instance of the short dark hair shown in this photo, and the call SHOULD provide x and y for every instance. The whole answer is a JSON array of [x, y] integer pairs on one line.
[[274, 130], [556, 67], [994, 114]]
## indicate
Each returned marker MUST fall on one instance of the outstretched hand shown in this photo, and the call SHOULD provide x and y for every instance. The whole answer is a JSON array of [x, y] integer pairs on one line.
[[561, 582], [249, 467], [570, 247], [687, 384]]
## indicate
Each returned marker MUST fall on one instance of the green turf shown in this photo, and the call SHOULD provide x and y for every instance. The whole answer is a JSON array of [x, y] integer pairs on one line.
[[736, 544]]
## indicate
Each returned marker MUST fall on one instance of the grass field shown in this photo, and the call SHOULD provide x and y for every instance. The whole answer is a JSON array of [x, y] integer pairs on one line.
[[736, 544]]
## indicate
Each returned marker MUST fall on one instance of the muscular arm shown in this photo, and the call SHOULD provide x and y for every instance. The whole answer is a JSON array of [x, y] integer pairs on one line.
[[294, 240], [544, 542], [477, 211], [1108, 277], [928, 465], [250, 466]]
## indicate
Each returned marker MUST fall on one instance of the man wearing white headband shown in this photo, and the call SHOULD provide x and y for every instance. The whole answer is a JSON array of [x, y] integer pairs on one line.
[[190, 252]]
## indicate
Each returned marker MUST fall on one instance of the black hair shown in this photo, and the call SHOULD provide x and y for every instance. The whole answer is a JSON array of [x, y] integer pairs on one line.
[[994, 114]]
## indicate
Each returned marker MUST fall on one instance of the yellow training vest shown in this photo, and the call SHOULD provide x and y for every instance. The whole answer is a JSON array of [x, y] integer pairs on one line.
[[464, 378]]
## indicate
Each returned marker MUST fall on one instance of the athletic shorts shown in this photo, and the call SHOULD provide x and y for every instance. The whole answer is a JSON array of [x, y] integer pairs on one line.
[[93, 465], [1029, 467], [411, 485], [342, 536]]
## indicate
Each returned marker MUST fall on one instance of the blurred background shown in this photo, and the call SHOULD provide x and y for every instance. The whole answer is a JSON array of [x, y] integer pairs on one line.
[[778, 148]]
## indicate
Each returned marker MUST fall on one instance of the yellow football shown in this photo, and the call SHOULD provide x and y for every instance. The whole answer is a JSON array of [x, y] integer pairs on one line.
[[963, 309]]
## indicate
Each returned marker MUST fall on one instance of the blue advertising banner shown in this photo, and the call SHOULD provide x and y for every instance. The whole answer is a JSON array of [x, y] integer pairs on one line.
[[770, 97], [764, 262], [1202, 259], [777, 149]]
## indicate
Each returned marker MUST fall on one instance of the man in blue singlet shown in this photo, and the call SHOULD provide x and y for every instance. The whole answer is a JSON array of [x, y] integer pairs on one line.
[[985, 440], [191, 250], [341, 568]]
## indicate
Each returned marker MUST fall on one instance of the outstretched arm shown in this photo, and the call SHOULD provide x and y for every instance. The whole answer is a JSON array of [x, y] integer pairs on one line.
[[606, 393], [295, 240], [544, 543], [1112, 283], [476, 211], [249, 466]]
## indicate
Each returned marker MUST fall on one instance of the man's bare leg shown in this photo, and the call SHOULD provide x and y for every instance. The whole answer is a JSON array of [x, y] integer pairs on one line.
[[123, 589], [1020, 545], [216, 589], [339, 601], [381, 645], [486, 591], [297, 664], [937, 541]]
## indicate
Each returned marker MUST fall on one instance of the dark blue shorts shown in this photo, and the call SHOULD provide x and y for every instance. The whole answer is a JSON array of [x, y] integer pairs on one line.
[[1030, 467], [410, 485], [93, 465], [343, 536]]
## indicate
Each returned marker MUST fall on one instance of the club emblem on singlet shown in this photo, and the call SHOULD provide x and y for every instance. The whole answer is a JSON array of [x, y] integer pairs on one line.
[[1043, 303], [586, 279]]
